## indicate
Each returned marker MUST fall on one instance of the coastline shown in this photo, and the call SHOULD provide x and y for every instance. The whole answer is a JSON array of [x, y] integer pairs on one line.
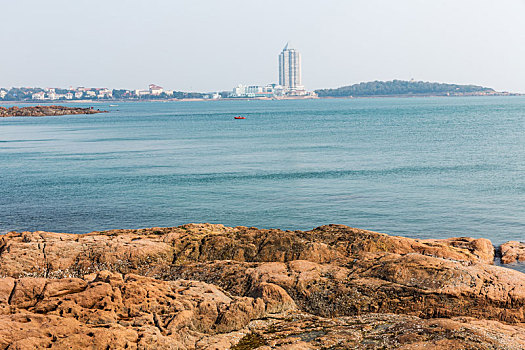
[[201, 286], [508, 254], [251, 99]]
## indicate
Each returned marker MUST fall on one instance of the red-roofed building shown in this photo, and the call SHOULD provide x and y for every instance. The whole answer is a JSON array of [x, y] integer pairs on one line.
[[155, 90]]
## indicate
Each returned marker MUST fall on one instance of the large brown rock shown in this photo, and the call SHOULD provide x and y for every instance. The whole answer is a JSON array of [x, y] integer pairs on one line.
[[512, 252], [45, 254], [325, 244], [151, 252], [133, 312], [410, 284], [117, 310], [202, 286]]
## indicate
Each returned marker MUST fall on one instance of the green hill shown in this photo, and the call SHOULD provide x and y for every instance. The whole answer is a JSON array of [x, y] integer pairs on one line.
[[403, 88]]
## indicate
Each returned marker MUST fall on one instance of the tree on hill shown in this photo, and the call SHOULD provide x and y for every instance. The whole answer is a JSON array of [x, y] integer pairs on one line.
[[401, 88]]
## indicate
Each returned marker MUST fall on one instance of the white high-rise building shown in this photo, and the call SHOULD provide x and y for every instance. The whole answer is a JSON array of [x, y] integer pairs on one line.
[[290, 69]]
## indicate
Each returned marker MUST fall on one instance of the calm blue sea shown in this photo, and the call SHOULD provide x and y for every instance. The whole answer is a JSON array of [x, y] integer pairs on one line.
[[420, 167]]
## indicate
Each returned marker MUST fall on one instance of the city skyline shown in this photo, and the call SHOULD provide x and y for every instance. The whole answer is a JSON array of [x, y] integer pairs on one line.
[[289, 86], [210, 46]]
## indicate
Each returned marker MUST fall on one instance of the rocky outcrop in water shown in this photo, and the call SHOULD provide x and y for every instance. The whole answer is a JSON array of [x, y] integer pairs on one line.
[[202, 286], [512, 252], [40, 111]]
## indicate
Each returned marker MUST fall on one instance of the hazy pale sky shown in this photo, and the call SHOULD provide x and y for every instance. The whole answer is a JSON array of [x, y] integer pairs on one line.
[[204, 45]]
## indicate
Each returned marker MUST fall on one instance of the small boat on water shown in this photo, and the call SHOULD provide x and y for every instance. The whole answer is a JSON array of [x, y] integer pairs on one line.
[[239, 117], [113, 105]]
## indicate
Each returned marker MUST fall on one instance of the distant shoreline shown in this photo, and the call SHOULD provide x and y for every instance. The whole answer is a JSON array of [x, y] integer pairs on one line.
[[251, 99]]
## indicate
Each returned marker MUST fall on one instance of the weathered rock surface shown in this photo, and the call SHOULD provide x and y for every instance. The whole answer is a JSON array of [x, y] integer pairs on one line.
[[412, 284], [40, 111], [153, 251], [381, 331], [121, 310], [202, 286], [46, 254], [512, 252], [325, 244]]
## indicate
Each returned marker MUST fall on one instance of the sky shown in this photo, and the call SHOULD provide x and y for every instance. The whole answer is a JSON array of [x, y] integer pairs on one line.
[[204, 45]]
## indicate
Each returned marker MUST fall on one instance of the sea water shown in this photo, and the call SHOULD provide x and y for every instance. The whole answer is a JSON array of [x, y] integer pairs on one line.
[[419, 167]]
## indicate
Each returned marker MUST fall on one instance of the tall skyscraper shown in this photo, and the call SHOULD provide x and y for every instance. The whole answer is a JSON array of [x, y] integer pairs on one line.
[[290, 69]]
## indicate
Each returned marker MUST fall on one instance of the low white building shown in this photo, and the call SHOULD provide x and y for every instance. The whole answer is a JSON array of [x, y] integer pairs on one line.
[[253, 91], [105, 93], [239, 90], [140, 93], [79, 94], [38, 96], [69, 96]]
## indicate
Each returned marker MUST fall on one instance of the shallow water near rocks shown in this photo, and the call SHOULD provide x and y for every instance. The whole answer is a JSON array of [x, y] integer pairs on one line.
[[421, 167]]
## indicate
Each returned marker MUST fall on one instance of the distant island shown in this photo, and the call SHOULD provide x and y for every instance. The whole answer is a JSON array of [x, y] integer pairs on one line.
[[40, 111], [408, 89]]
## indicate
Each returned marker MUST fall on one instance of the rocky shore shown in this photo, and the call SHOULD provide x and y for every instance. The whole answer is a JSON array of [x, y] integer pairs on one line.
[[40, 111], [202, 286]]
